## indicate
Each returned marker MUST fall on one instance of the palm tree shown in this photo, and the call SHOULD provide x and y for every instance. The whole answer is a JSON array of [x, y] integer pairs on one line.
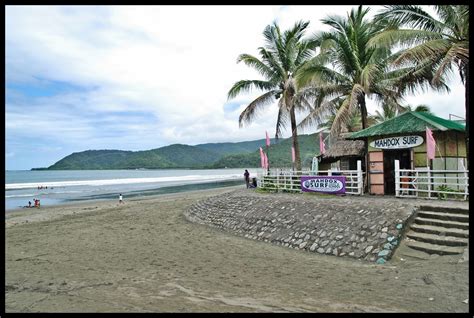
[[353, 124], [388, 112], [419, 108], [280, 59], [346, 70], [349, 68], [441, 41]]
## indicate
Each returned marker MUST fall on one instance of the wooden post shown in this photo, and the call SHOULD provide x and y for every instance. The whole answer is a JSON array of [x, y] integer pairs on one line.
[[360, 181], [397, 178], [278, 180], [428, 175], [466, 176]]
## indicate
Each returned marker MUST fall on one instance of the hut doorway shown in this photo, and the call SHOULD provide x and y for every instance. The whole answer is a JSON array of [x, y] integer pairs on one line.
[[389, 157]]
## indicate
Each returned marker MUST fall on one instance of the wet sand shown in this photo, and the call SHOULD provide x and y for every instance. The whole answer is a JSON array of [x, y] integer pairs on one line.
[[144, 256]]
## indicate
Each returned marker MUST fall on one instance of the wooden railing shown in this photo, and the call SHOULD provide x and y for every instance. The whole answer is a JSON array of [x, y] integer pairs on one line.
[[287, 179], [431, 184]]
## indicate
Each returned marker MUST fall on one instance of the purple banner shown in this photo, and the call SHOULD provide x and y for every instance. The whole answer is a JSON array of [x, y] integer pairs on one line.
[[324, 184]]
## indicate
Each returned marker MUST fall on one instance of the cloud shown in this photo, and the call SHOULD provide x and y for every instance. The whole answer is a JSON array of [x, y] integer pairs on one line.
[[139, 77]]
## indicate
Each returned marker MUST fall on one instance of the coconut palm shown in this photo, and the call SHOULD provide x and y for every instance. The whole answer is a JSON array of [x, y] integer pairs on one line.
[[280, 59], [348, 69], [419, 108], [388, 112], [354, 123], [441, 41]]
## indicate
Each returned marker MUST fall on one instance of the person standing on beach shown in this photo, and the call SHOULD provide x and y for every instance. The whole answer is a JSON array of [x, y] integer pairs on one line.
[[247, 178], [120, 198]]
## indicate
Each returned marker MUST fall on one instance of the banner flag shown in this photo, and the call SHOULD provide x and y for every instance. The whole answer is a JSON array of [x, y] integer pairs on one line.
[[430, 144], [322, 146]]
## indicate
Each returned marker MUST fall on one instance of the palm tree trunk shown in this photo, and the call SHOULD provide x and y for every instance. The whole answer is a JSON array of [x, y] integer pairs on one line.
[[363, 111], [466, 92], [294, 136]]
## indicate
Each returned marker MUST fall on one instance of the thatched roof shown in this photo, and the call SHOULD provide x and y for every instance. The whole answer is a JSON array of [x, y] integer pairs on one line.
[[345, 148]]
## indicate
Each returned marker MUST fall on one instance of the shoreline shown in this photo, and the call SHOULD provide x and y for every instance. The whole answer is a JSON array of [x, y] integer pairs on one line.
[[46, 213]]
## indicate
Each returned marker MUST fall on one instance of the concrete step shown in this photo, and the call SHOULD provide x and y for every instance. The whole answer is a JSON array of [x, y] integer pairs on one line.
[[435, 249], [430, 229], [442, 223], [444, 216], [437, 239], [443, 209]]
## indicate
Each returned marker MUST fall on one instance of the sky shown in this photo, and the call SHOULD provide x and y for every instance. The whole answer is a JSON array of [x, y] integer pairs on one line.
[[144, 77]]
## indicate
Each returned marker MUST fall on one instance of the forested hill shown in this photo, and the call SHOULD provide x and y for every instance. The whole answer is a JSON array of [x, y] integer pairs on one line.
[[232, 148], [178, 156], [279, 155]]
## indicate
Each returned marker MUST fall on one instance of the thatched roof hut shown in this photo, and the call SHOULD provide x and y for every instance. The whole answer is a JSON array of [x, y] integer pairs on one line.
[[345, 148], [342, 147]]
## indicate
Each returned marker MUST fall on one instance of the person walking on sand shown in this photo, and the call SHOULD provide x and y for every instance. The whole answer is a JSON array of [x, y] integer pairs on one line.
[[247, 178], [120, 198]]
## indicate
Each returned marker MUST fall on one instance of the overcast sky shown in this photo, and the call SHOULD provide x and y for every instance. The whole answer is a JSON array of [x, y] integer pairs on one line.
[[143, 77]]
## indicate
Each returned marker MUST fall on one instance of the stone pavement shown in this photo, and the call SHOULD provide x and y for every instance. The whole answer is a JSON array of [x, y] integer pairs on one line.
[[363, 227]]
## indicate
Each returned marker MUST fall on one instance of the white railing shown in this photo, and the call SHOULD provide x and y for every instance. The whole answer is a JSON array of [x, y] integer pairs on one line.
[[287, 179], [431, 184]]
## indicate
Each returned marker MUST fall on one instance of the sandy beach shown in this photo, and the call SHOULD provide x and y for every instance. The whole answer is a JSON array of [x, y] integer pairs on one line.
[[144, 256]]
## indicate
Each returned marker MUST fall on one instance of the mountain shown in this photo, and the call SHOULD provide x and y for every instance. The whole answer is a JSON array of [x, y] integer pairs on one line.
[[232, 148], [179, 156], [279, 155], [173, 156]]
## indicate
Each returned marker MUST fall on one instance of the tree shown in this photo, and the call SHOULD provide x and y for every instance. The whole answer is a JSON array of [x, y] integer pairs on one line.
[[346, 70], [349, 68], [440, 41], [388, 112], [419, 108], [280, 59]]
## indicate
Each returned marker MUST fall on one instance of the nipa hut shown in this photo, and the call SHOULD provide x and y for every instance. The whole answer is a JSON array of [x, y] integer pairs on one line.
[[343, 154]]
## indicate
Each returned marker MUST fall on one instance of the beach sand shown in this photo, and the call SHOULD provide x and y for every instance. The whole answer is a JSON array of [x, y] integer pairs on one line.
[[144, 256]]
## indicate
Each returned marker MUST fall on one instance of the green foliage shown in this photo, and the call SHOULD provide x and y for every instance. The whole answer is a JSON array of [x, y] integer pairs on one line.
[[279, 155], [232, 148], [212, 155], [454, 193]]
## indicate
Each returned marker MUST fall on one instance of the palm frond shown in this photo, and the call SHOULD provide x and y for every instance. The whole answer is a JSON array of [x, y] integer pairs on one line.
[[282, 119], [403, 38], [258, 65], [250, 111], [245, 86], [430, 50], [341, 118], [411, 16]]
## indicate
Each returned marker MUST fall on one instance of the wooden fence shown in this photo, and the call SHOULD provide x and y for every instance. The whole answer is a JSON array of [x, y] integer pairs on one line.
[[431, 184], [286, 179]]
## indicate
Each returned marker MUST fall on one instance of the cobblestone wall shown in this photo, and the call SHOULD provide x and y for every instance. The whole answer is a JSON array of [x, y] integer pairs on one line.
[[364, 227]]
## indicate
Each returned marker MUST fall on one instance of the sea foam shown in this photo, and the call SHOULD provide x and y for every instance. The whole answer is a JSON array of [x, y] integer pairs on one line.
[[52, 184]]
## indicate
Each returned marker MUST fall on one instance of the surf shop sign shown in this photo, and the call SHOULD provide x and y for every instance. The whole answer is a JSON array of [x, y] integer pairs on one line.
[[397, 142], [324, 184]]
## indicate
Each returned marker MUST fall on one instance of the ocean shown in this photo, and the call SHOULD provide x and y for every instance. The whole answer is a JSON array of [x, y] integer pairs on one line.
[[63, 186]]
